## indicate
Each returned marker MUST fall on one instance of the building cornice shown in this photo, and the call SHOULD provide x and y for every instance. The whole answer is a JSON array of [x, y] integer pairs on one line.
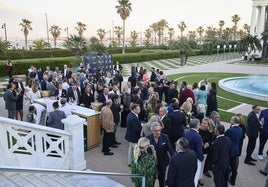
[[260, 2]]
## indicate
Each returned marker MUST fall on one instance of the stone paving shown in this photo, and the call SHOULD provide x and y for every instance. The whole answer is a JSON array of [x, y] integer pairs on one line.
[[248, 176]]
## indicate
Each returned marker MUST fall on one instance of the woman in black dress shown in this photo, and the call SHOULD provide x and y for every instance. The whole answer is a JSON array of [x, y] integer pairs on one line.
[[87, 97], [212, 104], [207, 138]]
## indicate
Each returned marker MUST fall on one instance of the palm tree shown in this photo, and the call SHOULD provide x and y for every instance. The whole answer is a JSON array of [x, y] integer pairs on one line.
[[76, 44], [235, 20], [25, 28], [183, 46], [55, 32], [227, 33], [148, 35], [123, 9], [171, 33], [81, 27], [40, 44], [4, 46], [246, 27], [221, 24], [118, 32], [200, 30], [134, 36], [163, 24], [248, 44], [264, 54], [211, 32], [154, 28], [192, 35], [101, 33], [182, 26]]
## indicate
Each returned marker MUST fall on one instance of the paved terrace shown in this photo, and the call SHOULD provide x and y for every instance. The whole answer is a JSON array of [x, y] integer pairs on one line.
[[248, 176]]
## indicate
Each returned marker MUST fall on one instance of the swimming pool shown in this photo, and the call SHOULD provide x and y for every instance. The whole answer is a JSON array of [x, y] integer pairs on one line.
[[255, 87]]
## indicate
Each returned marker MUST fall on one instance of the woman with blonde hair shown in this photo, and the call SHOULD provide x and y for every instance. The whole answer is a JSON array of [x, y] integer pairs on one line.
[[243, 127], [144, 163]]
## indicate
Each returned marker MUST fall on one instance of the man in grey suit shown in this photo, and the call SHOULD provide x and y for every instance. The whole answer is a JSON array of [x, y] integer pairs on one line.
[[55, 117], [10, 98]]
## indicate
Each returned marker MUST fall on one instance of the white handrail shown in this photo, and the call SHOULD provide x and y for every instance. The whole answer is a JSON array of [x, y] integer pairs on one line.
[[33, 126], [35, 170]]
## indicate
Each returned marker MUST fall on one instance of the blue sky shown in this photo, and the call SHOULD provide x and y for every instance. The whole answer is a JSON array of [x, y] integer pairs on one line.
[[101, 14]]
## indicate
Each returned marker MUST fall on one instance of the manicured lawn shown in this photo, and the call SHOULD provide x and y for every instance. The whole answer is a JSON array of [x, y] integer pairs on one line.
[[225, 99]]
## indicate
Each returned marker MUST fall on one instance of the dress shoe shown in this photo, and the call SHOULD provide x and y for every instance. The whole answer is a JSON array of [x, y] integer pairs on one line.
[[117, 143], [114, 146], [108, 153], [200, 183], [231, 182], [263, 172], [249, 162], [253, 159], [207, 174]]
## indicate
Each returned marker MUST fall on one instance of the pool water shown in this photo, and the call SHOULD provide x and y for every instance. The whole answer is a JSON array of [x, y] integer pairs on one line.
[[247, 85]]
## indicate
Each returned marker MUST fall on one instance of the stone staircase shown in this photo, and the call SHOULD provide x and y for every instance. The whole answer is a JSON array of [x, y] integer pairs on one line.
[[21, 179]]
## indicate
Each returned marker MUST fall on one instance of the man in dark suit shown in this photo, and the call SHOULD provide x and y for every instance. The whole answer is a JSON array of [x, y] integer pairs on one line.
[[65, 72], [172, 93], [104, 96], [195, 144], [222, 148], [44, 82], [10, 98], [133, 129], [252, 131], [162, 147], [60, 92], [235, 134], [178, 123], [118, 67], [165, 120], [183, 165], [74, 94]]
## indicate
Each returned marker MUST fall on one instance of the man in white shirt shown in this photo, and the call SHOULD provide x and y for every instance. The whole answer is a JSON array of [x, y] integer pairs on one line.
[[65, 107], [39, 112]]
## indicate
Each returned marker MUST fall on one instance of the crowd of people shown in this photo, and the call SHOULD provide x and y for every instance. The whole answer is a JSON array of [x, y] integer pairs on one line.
[[167, 123]]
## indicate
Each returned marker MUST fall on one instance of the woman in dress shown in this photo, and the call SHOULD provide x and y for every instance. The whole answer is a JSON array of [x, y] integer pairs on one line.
[[34, 93], [87, 97], [202, 96], [243, 127], [207, 138], [9, 68], [144, 163], [212, 104]]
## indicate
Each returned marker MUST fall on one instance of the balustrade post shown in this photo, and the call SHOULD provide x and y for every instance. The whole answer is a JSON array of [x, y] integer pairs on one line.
[[74, 125]]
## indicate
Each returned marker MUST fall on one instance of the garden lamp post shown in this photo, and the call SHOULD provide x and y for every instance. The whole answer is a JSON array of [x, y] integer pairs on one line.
[[4, 26]]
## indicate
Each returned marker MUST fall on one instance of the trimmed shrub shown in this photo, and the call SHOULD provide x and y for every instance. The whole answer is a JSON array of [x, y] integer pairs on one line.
[[21, 66]]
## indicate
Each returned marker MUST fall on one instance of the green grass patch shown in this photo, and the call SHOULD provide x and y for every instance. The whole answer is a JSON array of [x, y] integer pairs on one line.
[[226, 100]]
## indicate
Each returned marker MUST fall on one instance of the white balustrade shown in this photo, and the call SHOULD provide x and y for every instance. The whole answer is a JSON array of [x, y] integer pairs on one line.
[[24, 144]]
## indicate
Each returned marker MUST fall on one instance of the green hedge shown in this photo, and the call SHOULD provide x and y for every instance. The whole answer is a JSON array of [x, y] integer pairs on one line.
[[21, 66], [30, 54], [50, 53]]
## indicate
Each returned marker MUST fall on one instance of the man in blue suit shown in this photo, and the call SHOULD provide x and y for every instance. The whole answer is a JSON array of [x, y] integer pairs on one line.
[[182, 167], [252, 131], [222, 148], [235, 134], [10, 98], [133, 129], [178, 123], [195, 144], [162, 147]]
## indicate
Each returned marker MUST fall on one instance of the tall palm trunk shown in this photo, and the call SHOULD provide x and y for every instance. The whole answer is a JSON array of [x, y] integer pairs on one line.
[[123, 49], [26, 41], [55, 42]]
